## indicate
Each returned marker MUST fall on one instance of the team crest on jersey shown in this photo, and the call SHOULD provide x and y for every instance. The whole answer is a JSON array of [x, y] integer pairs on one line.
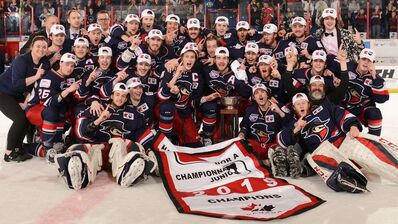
[[113, 128], [185, 90], [304, 46], [101, 80], [253, 117], [220, 87], [260, 131], [355, 93], [214, 74], [316, 127], [268, 51]]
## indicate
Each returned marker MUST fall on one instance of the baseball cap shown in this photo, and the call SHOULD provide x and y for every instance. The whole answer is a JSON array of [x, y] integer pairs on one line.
[[259, 86], [317, 78], [267, 59], [222, 19], [190, 46], [270, 28], [147, 13], [155, 33], [144, 58], [57, 29], [68, 57], [173, 18], [120, 87], [105, 51], [131, 17], [133, 82], [222, 51], [329, 12], [193, 23], [299, 20], [252, 47], [81, 41], [94, 26], [299, 96], [319, 54], [242, 25], [368, 53]]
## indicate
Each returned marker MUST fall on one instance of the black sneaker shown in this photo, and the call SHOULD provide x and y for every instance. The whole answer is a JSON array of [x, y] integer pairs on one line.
[[278, 160], [17, 156]]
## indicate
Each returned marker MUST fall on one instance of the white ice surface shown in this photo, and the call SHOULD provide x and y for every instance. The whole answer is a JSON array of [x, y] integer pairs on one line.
[[30, 192]]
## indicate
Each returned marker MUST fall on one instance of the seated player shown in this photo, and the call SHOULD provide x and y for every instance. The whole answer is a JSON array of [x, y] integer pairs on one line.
[[119, 124]]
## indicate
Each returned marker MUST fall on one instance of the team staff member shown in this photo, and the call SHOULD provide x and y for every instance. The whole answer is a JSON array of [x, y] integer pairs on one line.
[[15, 83]]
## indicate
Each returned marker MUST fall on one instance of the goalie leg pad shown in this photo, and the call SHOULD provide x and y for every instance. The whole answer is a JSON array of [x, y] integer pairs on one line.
[[132, 169], [278, 160], [73, 167]]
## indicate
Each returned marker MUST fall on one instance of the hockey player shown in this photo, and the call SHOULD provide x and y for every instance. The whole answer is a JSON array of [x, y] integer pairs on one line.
[[143, 103], [94, 79], [247, 66], [269, 75], [46, 107], [120, 125], [147, 23], [261, 122], [153, 46], [179, 92], [269, 41], [237, 41], [117, 120], [366, 88], [95, 38], [121, 35], [56, 50], [193, 34], [219, 81], [15, 83], [305, 44], [84, 59]]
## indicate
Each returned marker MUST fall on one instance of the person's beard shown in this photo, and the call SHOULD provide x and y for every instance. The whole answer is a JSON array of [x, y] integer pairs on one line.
[[317, 95]]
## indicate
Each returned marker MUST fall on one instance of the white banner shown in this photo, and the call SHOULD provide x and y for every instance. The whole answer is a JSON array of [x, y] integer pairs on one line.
[[390, 75], [226, 180]]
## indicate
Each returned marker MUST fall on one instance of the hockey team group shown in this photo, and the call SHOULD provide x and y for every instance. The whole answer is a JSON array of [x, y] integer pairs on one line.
[[101, 96]]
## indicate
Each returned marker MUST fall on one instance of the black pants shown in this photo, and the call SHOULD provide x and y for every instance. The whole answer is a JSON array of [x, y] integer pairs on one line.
[[11, 109]]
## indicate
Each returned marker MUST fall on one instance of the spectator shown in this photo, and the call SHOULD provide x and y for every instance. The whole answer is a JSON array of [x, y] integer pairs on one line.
[[375, 22], [393, 22], [12, 19], [103, 19], [308, 7], [43, 16], [267, 13], [39, 7], [51, 8], [133, 7], [221, 4], [90, 16], [255, 11], [26, 11], [361, 21]]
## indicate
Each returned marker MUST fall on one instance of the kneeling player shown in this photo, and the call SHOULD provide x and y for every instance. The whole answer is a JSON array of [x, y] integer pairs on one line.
[[262, 121], [120, 125]]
